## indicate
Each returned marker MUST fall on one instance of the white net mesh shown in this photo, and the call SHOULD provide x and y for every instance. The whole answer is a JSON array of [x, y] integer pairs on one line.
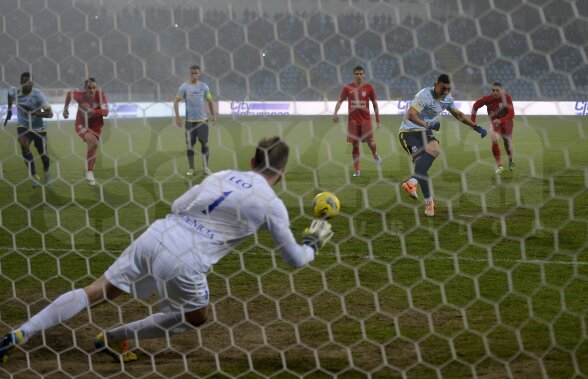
[[493, 286]]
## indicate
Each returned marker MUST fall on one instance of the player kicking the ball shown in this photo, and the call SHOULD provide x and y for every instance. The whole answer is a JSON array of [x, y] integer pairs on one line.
[[416, 134], [92, 108], [174, 255], [359, 125]]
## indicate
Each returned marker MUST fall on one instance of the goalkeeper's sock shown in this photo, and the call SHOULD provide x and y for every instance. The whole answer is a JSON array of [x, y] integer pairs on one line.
[[355, 155], [61, 309], [158, 325], [421, 172], [30, 162], [496, 153]]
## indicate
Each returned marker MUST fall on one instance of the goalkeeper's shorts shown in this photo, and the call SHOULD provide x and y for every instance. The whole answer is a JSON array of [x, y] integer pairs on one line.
[[147, 267]]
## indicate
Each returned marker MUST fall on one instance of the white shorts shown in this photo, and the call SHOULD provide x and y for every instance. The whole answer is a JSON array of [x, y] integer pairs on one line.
[[147, 266]]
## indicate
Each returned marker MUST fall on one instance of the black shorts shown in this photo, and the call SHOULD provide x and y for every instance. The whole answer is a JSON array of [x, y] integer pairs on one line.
[[37, 138], [196, 130], [414, 142]]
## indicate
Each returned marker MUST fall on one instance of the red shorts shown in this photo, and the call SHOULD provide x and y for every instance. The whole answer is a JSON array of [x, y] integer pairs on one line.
[[360, 132], [82, 130], [504, 129]]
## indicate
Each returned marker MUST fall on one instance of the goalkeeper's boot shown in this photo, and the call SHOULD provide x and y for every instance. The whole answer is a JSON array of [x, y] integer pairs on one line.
[[511, 165], [47, 178], [357, 173], [430, 208], [499, 170], [117, 350], [410, 189], [90, 177], [190, 172], [378, 160], [7, 344], [207, 171], [35, 181]]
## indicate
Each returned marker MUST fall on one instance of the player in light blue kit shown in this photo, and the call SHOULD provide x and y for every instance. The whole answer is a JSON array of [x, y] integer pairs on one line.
[[195, 93], [416, 134], [32, 106]]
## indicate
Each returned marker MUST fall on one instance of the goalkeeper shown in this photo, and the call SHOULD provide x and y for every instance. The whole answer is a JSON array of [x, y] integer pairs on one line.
[[173, 256], [416, 134]]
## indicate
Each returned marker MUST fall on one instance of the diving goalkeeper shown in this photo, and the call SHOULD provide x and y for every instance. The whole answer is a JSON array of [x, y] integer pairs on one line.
[[173, 256]]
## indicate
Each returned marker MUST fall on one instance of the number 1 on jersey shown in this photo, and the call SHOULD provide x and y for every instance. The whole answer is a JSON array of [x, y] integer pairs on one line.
[[216, 203]]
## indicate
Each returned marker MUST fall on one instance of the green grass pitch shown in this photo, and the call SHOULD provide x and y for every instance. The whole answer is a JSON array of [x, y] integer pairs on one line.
[[494, 285]]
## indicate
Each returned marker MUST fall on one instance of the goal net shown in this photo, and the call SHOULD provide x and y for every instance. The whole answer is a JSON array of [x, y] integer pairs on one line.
[[494, 285]]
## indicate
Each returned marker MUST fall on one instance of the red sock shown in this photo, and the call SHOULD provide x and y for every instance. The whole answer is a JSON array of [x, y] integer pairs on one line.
[[508, 149], [374, 150], [355, 154], [496, 152], [91, 156]]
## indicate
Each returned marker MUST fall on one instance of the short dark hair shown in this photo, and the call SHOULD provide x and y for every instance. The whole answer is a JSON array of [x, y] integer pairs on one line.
[[497, 84], [271, 155], [443, 78], [89, 80], [358, 68], [194, 67], [25, 77]]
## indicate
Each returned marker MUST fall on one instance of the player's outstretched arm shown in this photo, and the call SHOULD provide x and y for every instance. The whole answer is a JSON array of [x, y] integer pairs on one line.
[[466, 120], [477, 105]]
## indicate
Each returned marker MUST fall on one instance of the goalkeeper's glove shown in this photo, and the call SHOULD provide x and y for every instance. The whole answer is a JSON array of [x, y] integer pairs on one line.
[[8, 117], [480, 130], [318, 234], [433, 125]]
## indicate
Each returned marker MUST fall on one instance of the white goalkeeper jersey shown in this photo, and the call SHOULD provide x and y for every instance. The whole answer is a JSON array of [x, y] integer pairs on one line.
[[211, 218]]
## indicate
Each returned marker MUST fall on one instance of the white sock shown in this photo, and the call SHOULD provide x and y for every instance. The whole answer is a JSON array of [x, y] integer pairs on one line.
[[413, 181], [61, 309], [158, 325]]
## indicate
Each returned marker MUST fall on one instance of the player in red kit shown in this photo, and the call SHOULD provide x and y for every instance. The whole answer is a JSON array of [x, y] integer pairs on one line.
[[501, 113], [359, 125], [92, 108]]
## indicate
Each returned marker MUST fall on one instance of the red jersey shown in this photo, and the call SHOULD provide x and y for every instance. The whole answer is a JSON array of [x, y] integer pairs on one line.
[[358, 99], [98, 104], [498, 109]]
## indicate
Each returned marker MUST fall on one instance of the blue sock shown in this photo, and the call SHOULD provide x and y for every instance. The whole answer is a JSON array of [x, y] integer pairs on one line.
[[421, 172], [190, 154], [30, 162]]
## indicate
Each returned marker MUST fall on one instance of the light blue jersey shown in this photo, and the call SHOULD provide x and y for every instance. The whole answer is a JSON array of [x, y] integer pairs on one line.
[[195, 96], [428, 107], [26, 105]]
